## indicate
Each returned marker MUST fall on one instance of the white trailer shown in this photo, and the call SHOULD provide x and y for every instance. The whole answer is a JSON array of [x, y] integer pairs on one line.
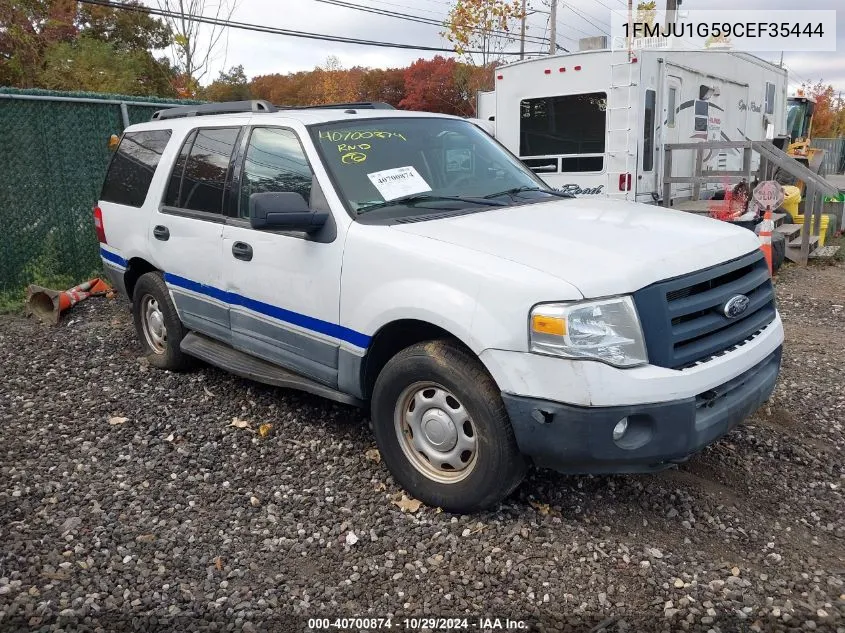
[[595, 122]]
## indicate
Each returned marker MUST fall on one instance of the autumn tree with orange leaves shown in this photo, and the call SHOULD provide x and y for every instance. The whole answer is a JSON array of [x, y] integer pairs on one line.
[[829, 115]]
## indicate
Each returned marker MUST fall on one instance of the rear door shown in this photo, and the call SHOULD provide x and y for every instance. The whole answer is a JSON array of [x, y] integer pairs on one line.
[[283, 287], [186, 231], [123, 203]]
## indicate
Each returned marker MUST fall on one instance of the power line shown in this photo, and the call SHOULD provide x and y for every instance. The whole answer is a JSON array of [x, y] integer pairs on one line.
[[414, 18], [275, 31], [585, 18], [574, 28]]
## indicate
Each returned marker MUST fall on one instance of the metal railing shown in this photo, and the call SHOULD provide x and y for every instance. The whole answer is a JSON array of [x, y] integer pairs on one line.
[[772, 161]]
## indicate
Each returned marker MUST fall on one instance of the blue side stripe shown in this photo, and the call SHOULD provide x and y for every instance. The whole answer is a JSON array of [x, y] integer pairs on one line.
[[112, 257], [304, 321]]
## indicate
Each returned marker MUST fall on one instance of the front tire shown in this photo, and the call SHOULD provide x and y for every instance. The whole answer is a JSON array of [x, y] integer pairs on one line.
[[443, 430], [157, 324]]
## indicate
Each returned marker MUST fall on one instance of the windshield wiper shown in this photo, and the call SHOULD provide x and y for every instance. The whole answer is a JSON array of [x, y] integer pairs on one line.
[[514, 190], [429, 197]]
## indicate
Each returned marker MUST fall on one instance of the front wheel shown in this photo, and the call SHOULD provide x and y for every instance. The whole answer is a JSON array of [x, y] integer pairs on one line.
[[442, 428]]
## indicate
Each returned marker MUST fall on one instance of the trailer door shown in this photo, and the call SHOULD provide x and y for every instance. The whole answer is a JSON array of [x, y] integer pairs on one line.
[[669, 116]]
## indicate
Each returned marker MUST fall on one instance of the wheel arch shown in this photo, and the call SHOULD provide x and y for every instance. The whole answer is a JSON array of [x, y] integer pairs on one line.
[[395, 336], [136, 267]]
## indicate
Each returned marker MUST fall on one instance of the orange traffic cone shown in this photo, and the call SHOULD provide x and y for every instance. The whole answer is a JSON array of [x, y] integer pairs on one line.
[[766, 228], [48, 304]]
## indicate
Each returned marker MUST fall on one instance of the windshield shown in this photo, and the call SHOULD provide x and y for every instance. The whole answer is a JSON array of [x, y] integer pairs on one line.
[[420, 163]]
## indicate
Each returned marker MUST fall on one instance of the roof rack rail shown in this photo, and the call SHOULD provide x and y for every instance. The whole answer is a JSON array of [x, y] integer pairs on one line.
[[227, 107], [361, 105]]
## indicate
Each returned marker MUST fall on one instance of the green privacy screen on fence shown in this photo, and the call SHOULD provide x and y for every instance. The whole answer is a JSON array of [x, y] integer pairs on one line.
[[53, 155]]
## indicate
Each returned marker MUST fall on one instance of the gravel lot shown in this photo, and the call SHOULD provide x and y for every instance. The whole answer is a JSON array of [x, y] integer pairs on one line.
[[129, 500]]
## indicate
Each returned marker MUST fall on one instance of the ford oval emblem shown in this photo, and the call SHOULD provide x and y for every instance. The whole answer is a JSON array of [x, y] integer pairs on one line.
[[735, 306]]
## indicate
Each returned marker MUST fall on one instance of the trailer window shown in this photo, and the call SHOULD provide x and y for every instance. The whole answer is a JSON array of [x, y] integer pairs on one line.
[[648, 131], [566, 125], [670, 107], [770, 98]]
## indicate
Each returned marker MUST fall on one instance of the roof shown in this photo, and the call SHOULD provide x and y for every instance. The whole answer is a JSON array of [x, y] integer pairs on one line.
[[304, 116]]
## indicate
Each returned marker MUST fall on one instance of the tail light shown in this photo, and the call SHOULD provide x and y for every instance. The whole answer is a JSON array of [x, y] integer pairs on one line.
[[624, 182], [98, 225]]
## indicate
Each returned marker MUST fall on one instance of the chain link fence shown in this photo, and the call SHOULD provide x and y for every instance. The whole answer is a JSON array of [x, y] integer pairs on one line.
[[54, 153]]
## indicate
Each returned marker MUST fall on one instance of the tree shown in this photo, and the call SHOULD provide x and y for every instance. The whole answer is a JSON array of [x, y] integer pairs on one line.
[[99, 66], [31, 31], [27, 28], [229, 86], [829, 113], [387, 85], [484, 25], [430, 85], [195, 43]]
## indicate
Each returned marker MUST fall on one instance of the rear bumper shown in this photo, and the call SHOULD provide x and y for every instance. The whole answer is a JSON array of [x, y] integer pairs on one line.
[[575, 439]]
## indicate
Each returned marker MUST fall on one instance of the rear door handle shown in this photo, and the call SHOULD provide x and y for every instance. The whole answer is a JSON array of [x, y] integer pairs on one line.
[[161, 233], [242, 250]]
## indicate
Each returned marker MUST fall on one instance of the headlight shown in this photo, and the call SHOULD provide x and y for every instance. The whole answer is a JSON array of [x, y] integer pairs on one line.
[[607, 330]]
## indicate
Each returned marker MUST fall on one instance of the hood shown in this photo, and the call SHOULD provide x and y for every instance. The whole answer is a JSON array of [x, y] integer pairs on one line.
[[602, 247]]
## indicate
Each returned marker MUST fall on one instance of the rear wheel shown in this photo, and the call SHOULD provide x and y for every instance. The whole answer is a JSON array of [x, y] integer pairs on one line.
[[157, 323], [442, 428]]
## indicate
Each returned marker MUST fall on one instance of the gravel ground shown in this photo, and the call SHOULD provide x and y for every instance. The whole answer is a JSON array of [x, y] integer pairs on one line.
[[130, 500]]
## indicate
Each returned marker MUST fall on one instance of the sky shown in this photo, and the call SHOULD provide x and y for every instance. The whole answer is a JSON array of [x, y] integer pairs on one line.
[[265, 53]]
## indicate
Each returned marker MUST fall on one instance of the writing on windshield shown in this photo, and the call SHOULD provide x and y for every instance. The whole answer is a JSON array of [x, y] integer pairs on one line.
[[355, 153]]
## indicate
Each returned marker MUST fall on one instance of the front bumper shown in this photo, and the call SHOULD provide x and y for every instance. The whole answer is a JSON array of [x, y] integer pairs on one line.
[[575, 439]]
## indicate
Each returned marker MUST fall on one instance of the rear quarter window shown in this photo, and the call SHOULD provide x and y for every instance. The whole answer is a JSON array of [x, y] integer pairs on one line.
[[132, 167]]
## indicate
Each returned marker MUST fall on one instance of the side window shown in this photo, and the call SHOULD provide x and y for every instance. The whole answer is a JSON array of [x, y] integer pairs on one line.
[[567, 125], [201, 170], [648, 131], [132, 167], [274, 161], [770, 98], [171, 197], [671, 107]]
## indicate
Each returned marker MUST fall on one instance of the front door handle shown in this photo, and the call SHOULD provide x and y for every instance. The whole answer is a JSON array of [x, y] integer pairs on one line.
[[161, 233], [242, 250]]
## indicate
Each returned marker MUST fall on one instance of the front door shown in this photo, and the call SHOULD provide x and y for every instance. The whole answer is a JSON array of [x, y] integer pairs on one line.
[[283, 287]]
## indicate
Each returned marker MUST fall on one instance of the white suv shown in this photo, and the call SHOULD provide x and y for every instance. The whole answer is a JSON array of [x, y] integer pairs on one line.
[[408, 262]]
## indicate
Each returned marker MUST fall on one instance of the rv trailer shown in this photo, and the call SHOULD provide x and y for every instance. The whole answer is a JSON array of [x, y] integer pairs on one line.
[[595, 122]]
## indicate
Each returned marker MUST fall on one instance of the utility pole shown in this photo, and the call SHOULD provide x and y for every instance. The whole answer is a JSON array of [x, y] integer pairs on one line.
[[553, 29], [671, 10], [522, 32]]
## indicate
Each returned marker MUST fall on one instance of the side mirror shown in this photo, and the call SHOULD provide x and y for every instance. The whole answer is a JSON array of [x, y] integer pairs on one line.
[[284, 210]]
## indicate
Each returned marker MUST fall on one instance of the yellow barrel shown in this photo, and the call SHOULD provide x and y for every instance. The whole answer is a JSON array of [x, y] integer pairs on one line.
[[791, 199], [799, 219]]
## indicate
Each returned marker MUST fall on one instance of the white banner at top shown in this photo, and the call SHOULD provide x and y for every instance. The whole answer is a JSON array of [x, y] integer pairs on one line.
[[724, 30]]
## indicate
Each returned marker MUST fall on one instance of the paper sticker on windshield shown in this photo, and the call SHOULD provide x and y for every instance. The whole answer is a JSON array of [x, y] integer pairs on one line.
[[398, 182]]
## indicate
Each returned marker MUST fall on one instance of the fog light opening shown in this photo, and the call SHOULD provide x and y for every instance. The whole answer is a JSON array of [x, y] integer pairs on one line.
[[620, 429]]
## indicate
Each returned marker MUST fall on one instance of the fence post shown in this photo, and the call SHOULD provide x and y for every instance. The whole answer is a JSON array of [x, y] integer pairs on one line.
[[124, 114], [699, 161], [809, 205], [746, 164]]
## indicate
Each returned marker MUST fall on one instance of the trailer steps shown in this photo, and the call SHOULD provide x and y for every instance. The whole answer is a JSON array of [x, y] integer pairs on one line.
[[793, 248], [789, 231]]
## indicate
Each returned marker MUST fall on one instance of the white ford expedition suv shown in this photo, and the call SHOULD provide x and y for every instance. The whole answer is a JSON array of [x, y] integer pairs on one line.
[[407, 262]]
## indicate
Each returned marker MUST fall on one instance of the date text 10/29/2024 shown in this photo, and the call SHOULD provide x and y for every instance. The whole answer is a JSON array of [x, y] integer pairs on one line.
[[480, 624]]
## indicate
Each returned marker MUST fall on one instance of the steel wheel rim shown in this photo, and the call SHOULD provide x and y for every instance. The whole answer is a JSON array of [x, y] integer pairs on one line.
[[152, 323], [436, 432]]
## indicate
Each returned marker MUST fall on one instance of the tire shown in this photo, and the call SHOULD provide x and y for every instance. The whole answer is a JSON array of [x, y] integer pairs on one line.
[[440, 388], [152, 308]]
